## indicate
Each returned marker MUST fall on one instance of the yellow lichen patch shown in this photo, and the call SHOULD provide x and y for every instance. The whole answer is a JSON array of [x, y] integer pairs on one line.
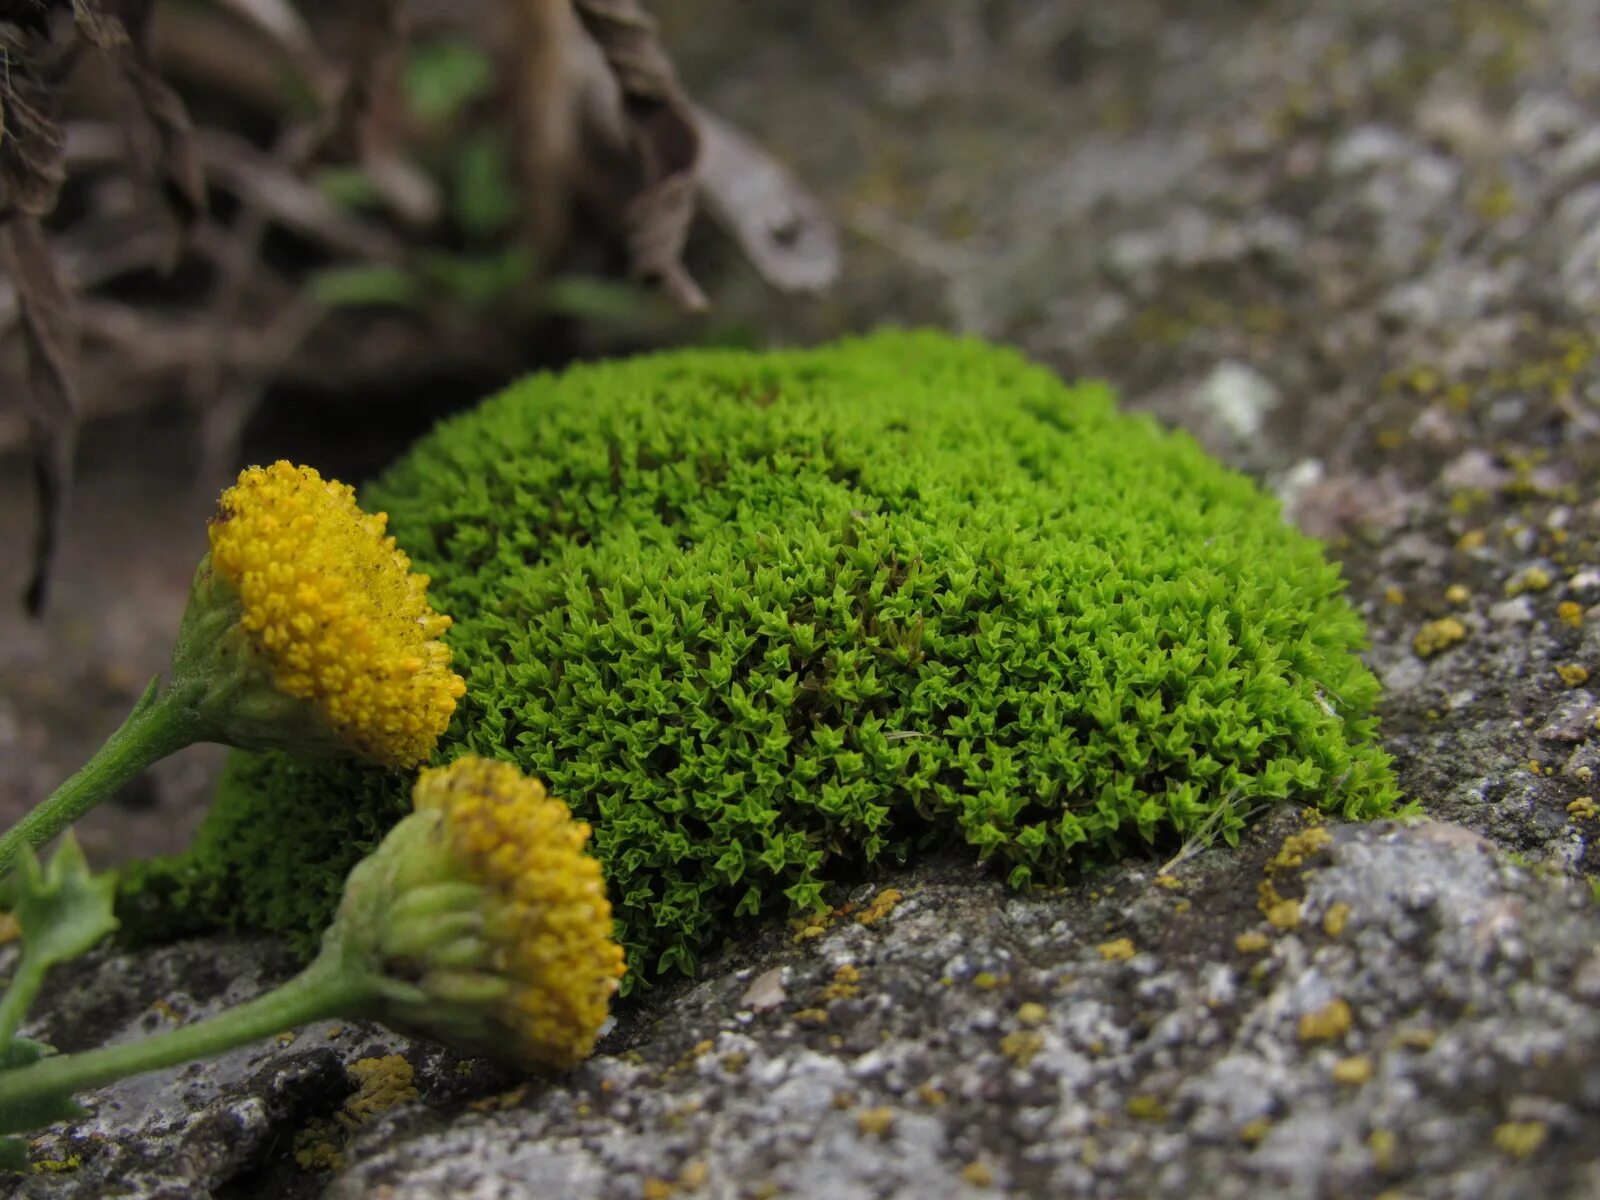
[[1281, 913], [811, 1016], [10, 930], [381, 1083], [1583, 809], [1252, 942], [931, 1096], [54, 1166], [1333, 921], [317, 1146], [1298, 847], [546, 908], [1146, 1108], [882, 905], [1392, 594], [977, 1174], [1473, 539], [812, 925], [1438, 636], [656, 1188], [1032, 1013], [694, 1175], [1534, 579], [1356, 1069], [1382, 1144], [846, 984], [332, 607], [876, 1122], [1331, 1021], [1021, 1045], [1457, 594], [1520, 1139], [501, 1101], [1252, 1132], [1117, 950], [1416, 1038], [1171, 882], [1570, 613], [1573, 675]]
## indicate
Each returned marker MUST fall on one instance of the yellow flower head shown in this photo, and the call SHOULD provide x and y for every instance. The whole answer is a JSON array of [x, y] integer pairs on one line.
[[547, 919], [331, 605]]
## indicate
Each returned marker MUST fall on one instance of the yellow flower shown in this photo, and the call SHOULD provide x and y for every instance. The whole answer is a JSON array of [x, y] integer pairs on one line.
[[547, 921], [331, 606]]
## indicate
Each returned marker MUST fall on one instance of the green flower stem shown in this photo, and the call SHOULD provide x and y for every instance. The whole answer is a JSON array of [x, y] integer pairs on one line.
[[163, 721], [325, 989], [25, 985]]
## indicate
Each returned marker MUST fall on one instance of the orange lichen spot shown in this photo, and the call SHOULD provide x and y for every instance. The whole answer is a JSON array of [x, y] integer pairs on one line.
[[882, 905], [1533, 579], [1117, 950], [1021, 1045], [1298, 847], [1252, 1132], [1438, 636], [1333, 921], [846, 984], [876, 1122], [1331, 1021], [1382, 1144], [1146, 1108], [1354, 1070], [1032, 1013], [381, 1083], [977, 1174], [1520, 1139]]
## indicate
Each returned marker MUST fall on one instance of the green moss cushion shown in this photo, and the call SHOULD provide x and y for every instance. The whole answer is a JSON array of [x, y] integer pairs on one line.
[[763, 618]]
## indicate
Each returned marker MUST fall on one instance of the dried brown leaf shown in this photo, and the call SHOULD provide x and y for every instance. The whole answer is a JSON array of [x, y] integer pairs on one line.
[[31, 142], [361, 119], [541, 34], [50, 334], [780, 226], [122, 29], [665, 144]]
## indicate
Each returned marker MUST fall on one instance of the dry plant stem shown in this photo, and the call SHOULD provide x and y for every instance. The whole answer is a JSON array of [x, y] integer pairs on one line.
[[325, 989], [160, 724]]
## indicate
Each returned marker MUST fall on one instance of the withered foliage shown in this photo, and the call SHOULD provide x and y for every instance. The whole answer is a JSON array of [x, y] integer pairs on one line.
[[603, 142], [39, 40]]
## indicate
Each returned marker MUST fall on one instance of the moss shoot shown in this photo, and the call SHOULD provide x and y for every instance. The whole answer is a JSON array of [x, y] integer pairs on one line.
[[764, 618]]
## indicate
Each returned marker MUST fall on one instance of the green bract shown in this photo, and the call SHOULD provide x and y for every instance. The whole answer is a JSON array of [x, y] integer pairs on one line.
[[761, 618]]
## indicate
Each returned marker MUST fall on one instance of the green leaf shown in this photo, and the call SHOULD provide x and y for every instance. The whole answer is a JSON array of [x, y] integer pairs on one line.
[[483, 196], [14, 1154], [62, 908], [36, 1112], [443, 77], [21, 1051], [365, 286]]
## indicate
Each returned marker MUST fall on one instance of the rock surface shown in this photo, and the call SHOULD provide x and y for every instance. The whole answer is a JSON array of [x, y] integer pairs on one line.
[[1355, 248]]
